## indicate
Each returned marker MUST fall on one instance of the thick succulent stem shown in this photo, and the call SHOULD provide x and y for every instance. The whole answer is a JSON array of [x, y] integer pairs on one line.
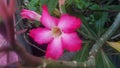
[[31, 60], [70, 64], [106, 36]]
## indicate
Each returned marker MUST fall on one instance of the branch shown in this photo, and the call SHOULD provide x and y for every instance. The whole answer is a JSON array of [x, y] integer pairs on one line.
[[5, 49], [25, 56], [106, 36], [69, 64], [31, 60]]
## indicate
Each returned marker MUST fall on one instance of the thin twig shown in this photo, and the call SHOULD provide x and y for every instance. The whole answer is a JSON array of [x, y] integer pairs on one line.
[[18, 22]]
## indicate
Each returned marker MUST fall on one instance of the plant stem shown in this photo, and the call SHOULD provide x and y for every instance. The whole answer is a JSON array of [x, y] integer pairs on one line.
[[106, 36], [9, 24], [70, 64], [31, 60]]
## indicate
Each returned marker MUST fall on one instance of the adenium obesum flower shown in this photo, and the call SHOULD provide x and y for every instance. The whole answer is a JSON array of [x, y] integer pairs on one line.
[[30, 15], [58, 33]]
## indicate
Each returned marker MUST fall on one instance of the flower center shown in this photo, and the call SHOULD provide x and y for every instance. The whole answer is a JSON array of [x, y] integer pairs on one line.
[[56, 31]]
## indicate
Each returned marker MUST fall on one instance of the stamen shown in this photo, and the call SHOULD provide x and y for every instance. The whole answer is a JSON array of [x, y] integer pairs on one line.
[[56, 31]]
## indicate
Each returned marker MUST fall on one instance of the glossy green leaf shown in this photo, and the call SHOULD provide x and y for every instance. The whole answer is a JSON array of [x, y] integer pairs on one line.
[[102, 61]]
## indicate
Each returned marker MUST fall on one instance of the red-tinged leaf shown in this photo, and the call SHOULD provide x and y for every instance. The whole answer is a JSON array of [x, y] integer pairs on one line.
[[7, 10], [12, 6], [3, 8]]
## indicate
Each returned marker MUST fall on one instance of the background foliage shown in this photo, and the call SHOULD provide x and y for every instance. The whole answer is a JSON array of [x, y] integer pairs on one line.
[[97, 16]]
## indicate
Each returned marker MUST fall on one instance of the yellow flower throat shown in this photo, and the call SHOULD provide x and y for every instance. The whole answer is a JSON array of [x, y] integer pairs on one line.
[[56, 31]]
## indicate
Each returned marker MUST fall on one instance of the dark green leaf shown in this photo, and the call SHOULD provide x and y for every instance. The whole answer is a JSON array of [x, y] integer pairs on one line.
[[101, 22], [114, 7], [82, 55], [102, 61], [94, 7], [86, 29]]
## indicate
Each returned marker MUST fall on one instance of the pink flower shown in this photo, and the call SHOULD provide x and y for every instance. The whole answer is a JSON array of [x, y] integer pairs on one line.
[[30, 15], [58, 33]]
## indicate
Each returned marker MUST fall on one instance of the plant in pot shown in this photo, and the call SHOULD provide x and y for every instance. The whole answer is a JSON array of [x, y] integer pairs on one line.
[[62, 29]]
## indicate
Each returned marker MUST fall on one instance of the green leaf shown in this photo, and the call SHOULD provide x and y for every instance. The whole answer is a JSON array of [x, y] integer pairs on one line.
[[63, 8], [114, 7], [83, 54], [102, 61], [50, 3], [88, 30], [32, 4], [109, 2], [100, 23], [94, 7], [86, 35], [44, 1]]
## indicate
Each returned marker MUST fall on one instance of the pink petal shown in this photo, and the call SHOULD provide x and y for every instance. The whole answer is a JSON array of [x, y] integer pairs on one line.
[[41, 35], [71, 42], [54, 49], [3, 59], [69, 23], [30, 15], [47, 20], [55, 20], [13, 57]]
